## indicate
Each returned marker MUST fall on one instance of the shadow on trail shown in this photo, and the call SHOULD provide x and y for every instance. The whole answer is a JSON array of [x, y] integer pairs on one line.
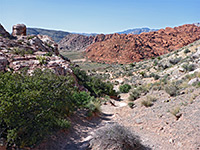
[[73, 139]]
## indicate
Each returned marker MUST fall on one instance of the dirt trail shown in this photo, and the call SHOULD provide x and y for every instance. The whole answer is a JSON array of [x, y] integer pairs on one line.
[[157, 129]]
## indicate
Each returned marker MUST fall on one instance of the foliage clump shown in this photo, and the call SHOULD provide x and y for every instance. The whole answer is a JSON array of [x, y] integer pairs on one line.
[[172, 90], [96, 87], [21, 51], [42, 60], [149, 101], [134, 95], [125, 88], [189, 67]]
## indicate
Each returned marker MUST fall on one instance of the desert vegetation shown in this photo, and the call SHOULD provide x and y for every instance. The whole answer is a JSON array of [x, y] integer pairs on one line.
[[33, 107]]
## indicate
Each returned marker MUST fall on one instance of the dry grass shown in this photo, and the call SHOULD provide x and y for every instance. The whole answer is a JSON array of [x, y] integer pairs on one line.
[[175, 111], [149, 101]]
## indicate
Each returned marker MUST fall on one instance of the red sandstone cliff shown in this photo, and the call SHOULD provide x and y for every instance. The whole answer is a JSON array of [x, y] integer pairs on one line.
[[116, 48]]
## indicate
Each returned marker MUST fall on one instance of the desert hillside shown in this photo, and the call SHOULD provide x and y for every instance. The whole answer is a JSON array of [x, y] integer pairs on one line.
[[116, 48], [75, 42]]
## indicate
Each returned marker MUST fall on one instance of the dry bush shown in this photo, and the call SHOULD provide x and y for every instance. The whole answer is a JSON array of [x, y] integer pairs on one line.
[[115, 137]]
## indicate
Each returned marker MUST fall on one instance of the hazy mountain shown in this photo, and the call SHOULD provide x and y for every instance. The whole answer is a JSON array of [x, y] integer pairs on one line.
[[137, 31], [197, 24]]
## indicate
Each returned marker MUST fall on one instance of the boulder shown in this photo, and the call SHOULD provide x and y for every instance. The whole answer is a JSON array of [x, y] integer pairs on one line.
[[19, 30]]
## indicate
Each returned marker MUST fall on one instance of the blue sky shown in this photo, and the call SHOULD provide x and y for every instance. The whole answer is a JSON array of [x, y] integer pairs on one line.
[[98, 16]]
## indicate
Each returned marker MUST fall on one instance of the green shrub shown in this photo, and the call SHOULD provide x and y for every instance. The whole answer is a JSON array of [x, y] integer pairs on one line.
[[21, 51], [143, 74], [94, 106], [131, 104], [142, 89], [96, 87], [42, 59], [172, 90], [155, 76], [132, 65], [49, 54], [124, 88], [31, 37], [175, 60], [147, 103], [134, 95], [159, 58], [186, 51], [62, 123], [155, 62], [137, 92], [189, 67], [34, 106]]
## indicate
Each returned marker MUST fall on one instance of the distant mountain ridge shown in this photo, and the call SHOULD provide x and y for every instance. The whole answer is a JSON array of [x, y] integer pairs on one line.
[[59, 35], [137, 31], [55, 35]]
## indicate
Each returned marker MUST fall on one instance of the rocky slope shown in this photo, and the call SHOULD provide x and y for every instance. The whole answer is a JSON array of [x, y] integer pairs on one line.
[[29, 53], [75, 42], [164, 99], [116, 48]]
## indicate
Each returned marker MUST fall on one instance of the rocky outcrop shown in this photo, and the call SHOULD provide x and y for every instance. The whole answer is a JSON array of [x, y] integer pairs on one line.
[[19, 30], [116, 48], [3, 32], [31, 52], [75, 42]]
